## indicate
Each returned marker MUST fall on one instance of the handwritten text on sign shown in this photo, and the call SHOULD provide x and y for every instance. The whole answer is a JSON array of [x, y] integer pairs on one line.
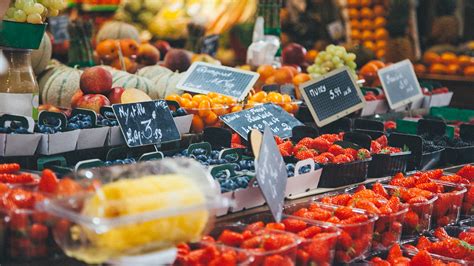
[[271, 174], [146, 123], [332, 96], [400, 84], [204, 78], [278, 120]]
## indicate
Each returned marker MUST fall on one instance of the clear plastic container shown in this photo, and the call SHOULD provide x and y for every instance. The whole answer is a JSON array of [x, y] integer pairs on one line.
[[135, 209], [467, 209], [447, 207], [355, 239], [208, 252]]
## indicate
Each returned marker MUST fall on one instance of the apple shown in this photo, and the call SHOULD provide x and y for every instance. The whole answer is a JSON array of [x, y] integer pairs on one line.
[[178, 60], [293, 54], [93, 102], [148, 54], [75, 98], [96, 80], [163, 46], [115, 95]]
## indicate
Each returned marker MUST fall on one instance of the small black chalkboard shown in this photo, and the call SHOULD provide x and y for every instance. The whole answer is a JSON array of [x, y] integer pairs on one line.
[[332, 96], [58, 27], [146, 123], [400, 84], [280, 122], [204, 78], [209, 44], [271, 174]]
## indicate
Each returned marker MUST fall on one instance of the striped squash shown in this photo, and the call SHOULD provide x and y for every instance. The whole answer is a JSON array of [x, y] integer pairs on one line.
[[152, 72], [58, 85], [126, 80], [117, 30]]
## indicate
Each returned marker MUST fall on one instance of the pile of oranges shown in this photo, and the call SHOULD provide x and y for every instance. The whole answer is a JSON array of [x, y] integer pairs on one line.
[[283, 100], [206, 108], [447, 63], [367, 23], [283, 75]]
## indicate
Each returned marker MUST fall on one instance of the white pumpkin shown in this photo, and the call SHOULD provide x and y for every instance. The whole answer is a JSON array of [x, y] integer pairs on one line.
[[165, 84], [58, 85], [117, 30], [126, 80], [151, 72], [41, 56]]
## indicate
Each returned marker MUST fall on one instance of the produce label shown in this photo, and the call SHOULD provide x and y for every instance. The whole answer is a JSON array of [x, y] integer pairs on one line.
[[146, 123], [271, 174], [278, 120], [58, 27], [204, 78], [400, 84], [210, 44], [332, 96]]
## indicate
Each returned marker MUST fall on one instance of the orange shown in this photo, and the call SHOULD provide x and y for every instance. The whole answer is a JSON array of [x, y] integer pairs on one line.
[[449, 58], [187, 96], [431, 58], [197, 124], [464, 60], [219, 109], [366, 13], [250, 104], [283, 76], [356, 35], [173, 97], [353, 13], [469, 71], [228, 100], [200, 97], [211, 118], [380, 22], [381, 34], [353, 3], [453, 69], [186, 103], [379, 11], [288, 107], [369, 45], [274, 97], [212, 95], [293, 70], [286, 98], [380, 53], [204, 108], [259, 96], [368, 69], [366, 3], [437, 68], [355, 24], [420, 69], [301, 78], [217, 100], [107, 49], [129, 47], [379, 64], [367, 35], [236, 108], [311, 56], [270, 80], [366, 24], [265, 71], [381, 44]]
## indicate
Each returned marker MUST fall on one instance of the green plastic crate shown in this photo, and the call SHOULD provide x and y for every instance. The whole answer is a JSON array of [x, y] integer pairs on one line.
[[21, 35], [410, 127], [452, 114]]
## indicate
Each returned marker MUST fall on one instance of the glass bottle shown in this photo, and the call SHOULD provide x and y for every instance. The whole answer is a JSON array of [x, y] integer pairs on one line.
[[19, 90]]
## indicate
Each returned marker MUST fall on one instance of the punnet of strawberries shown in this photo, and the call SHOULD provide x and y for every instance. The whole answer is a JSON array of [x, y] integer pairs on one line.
[[356, 227], [447, 206], [391, 212], [322, 150], [10, 174], [380, 146]]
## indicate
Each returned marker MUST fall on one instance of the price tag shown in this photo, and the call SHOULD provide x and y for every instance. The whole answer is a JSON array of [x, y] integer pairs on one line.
[[204, 78], [400, 84], [58, 27], [271, 174], [278, 120], [332, 96], [210, 44], [146, 123]]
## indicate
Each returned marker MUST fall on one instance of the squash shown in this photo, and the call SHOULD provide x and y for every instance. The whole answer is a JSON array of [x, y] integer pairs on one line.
[[117, 30], [165, 84], [58, 85], [126, 80], [151, 72], [41, 56]]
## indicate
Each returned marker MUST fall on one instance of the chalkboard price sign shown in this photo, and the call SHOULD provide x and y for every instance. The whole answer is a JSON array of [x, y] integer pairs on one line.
[[400, 84], [278, 120], [146, 123], [271, 174], [332, 96], [204, 78], [210, 44]]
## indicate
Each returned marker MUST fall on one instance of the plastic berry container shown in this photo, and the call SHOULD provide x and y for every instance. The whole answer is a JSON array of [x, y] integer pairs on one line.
[[319, 239], [135, 209], [355, 239], [208, 252], [467, 209], [258, 244], [447, 208]]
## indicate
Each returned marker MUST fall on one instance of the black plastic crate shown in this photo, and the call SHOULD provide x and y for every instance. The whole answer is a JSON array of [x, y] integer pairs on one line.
[[338, 175]]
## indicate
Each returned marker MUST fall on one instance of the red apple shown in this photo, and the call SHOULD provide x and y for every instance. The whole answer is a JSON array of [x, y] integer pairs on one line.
[[178, 60], [96, 80], [115, 95], [163, 46], [75, 98], [293, 54], [93, 102]]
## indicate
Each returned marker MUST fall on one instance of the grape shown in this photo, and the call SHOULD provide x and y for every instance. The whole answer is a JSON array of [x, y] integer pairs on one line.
[[351, 64], [53, 12], [19, 4], [336, 60], [351, 56], [20, 16], [57, 4], [28, 7], [332, 58], [10, 12], [38, 8], [35, 18]]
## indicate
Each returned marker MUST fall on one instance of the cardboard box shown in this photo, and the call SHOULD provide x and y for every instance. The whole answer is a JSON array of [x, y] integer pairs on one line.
[[115, 137], [437, 100], [58, 143], [247, 198], [92, 138], [375, 107], [223, 211], [19, 144], [183, 123], [298, 184]]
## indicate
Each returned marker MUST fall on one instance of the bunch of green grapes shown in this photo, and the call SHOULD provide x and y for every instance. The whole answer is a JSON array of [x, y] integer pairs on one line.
[[333, 57], [33, 11]]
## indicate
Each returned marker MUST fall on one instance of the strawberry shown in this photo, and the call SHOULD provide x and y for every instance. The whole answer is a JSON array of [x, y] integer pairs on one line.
[[331, 137], [363, 154], [286, 146], [333, 220], [230, 238], [336, 149], [247, 234], [236, 139], [368, 206], [67, 187], [275, 226], [435, 173], [351, 151], [283, 152], [278, 140], [394, 204], [355, 219], [277, 260], [411, 219], [227, 258], [423, 258], [375, 147], [304, 154], [423, 243], [294, 225], [440, 233], [467, 172], [328, 155], [432, 187], [407, 182], [382, 140], [251, 243], [320, 159], [307, 142], [9, 168], [208, 239], [302, 257], [255, 226], [380, 190], [341, 158], [341, 199], [310, 232], [416, 200], [344, 213], [276, 241], [38, 232], [321, 144], [237, 146], [344, 241], [48, 182], [298, 148], [390, 125], [394, 253]]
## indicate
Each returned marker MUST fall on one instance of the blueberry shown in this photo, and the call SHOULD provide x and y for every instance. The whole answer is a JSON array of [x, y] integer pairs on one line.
[[87, 124], [21, 130], [213, 161], [304, 170], [222, 161], [215, 154], [15, 125], [72, 126], [242, 181], [73, 119], [87, 118], [100, 117], [201, 158], [243, 165], [181, 112], [108, 163], [184, 152], [290, 167], [80, 124], [236, 167]]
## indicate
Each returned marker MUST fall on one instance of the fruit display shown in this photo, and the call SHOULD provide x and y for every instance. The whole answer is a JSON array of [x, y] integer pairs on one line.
[[58, 85], [367, 23], [283, 100], [287, 74], [380, 146], [356, 226], [33, 11], [207, 252], [391, 213], [368, 72], [333, 57], [446, 63]]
